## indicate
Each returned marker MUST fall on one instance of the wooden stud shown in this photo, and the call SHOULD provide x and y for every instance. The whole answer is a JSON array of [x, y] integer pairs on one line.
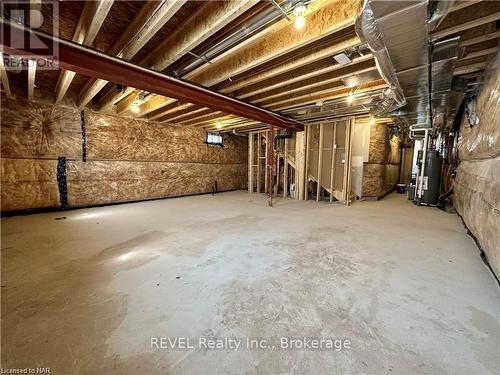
[[334, 157], [266, 182], [259, 161], [348, 153], [272, 159], [320, 161], [250, 162], [306, 176], [31, 78], [285, 171]]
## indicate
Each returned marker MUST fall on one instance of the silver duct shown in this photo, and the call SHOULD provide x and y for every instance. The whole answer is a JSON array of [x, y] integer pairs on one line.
[[424, 73], [368, 31]]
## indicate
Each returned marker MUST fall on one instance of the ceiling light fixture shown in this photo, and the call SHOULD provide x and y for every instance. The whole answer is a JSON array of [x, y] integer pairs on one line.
[[350, 98], [135, 107], [299, 11], [218, 125]]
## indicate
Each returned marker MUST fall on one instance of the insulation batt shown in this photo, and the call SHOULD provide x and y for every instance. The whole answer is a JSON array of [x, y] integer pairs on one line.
[[380, 174], [477, 183]]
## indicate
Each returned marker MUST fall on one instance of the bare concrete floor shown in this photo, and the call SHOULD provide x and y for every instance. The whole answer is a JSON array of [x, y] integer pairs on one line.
[[404, 284]]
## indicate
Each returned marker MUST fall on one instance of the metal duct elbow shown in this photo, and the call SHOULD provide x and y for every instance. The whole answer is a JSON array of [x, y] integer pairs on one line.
[[367, 30]]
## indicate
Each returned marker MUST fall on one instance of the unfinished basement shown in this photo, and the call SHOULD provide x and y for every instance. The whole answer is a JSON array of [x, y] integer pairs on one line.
[[250, 187]]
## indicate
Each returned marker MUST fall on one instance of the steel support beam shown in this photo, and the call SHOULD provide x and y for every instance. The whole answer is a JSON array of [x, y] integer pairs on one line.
[[91, 63]]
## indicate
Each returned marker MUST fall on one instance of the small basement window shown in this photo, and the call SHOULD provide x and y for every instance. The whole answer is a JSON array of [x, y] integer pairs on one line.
[[214, 139]]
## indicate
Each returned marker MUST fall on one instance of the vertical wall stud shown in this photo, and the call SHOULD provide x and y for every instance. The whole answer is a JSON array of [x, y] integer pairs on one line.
[[320, 161], [250, 162], [334, 154]]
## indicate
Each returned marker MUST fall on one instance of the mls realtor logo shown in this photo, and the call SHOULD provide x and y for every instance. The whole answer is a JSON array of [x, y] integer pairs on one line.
[[31, 15]]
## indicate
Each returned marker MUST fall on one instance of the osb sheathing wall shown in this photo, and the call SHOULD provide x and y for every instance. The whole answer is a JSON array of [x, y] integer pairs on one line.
[[380, 173], [477, 183], [126, 159]]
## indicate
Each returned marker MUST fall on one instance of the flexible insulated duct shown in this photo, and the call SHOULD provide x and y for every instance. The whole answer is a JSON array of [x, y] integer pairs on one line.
[[368, 32]]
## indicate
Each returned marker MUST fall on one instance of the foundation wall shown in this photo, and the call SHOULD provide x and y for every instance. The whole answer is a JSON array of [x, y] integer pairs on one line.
[[477, 183], [127, 159]]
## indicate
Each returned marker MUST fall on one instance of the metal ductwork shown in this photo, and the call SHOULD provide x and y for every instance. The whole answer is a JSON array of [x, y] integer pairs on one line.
[[399, 31], [367, 29]]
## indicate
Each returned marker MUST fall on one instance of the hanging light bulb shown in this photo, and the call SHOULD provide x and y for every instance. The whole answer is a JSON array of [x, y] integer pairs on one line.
[[350, 98], [372, 120], [218, 125], [299, 11]]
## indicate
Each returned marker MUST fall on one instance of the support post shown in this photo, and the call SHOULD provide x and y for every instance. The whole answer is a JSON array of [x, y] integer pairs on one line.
[[266, 162], [250, 162], [334, 154], [259, 161], [271, 161], [285, 171], [347, 166], [306, 180], [320, 161]]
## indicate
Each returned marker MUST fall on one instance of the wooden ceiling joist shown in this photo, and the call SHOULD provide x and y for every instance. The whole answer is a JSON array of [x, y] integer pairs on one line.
[[172, 111], [364, 69], [322, 56], [89, 62], [468, 69], [321, 68], [485, 12], [211, 18], [327, 95], [315, 83], [93, 15], [151, 18], [483, 52], [480, 39], [187, 114], [296, 70], [211, 116], [331, 18]]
